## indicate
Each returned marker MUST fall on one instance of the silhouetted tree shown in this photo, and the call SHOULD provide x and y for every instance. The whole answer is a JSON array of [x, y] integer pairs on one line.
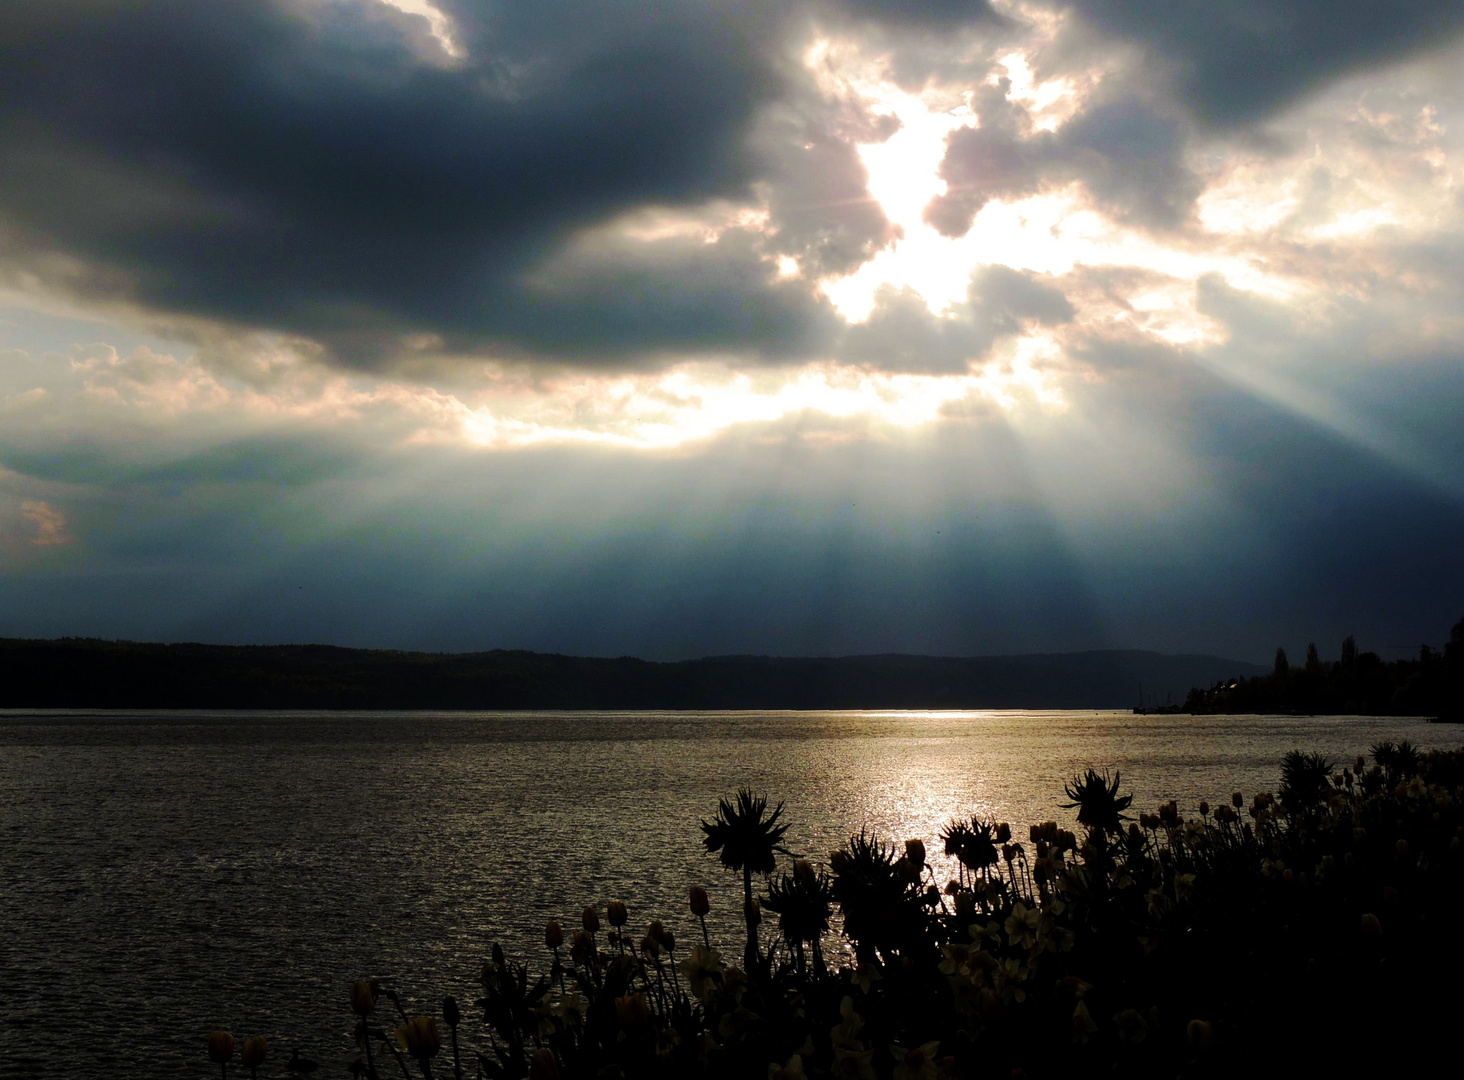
[[1359, 682]]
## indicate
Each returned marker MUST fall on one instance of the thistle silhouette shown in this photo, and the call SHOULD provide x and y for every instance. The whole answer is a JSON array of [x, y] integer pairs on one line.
[[745, 837], [1096, 799], [803, 902]]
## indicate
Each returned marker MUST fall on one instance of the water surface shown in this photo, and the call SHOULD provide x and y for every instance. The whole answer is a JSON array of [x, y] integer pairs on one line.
[[165, 874]]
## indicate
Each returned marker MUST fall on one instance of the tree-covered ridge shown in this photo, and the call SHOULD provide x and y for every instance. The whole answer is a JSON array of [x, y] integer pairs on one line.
[[84, 673], [1357, 683]]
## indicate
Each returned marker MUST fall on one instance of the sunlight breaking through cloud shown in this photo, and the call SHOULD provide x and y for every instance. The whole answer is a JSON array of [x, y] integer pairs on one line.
[[685, 406], [438, 23], [1051, 232]]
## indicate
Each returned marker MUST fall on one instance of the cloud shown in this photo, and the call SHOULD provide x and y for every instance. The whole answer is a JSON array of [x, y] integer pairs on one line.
[[937, 14], [1199, 517], [371, 178], [650, 327], [1236, 63], [302, 167], [50, 523], [1128, 150], [614, 297], [446, 180], [902, 334]]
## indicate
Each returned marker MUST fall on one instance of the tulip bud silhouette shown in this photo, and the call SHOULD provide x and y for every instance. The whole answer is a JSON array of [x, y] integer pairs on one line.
[[421, 1037], [363, 997], [632, 1010], [657, 931], [543, 1065], [253, 1053], [915, 852], [221, 1050], [701, 903]]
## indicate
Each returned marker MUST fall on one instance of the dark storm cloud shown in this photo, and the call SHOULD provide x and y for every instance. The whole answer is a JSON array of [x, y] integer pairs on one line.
[[1239, 60], [327, 168], [317, 168], [613, 300]]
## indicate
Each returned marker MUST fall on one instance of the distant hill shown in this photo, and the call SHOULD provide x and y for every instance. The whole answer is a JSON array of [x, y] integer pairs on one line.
[[86, 673]]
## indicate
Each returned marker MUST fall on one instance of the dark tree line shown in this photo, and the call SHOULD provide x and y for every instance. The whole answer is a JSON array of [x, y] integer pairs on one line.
[[1432, 684], [77, 673]]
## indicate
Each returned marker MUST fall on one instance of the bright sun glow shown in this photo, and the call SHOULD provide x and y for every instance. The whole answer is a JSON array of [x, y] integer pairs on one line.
[[1049, 233], [904, 170]]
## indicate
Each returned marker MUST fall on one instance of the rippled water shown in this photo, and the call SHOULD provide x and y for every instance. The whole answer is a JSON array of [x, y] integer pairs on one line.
[[165, 874]]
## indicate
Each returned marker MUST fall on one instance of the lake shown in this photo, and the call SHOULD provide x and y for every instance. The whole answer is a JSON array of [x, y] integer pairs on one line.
[[162, 875]]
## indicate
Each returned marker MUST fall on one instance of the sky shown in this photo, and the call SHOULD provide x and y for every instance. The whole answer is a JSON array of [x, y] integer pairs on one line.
[[683, 328]]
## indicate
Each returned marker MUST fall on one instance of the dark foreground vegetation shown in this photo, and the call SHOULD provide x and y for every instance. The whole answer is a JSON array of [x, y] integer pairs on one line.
[[81, 673], [1313, 933], [1358, 683]]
